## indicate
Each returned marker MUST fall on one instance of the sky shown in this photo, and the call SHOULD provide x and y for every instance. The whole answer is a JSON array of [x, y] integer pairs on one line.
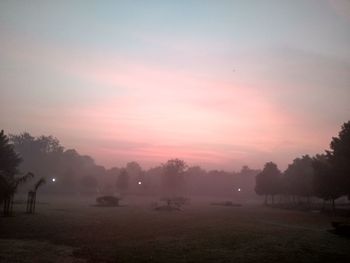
[[219, 84]]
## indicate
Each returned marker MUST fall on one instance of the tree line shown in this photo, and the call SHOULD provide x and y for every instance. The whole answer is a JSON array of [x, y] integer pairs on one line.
[[326, 175], [66, 171]]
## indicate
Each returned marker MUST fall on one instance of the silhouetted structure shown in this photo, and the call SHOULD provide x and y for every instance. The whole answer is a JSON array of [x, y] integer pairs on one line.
[[31, 199]]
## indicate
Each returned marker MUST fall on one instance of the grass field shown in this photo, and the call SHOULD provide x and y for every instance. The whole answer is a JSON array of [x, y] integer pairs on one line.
[[66, 231]]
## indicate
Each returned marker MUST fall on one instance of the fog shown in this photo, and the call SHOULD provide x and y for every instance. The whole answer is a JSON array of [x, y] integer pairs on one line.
[[69, 172], [174, 131]]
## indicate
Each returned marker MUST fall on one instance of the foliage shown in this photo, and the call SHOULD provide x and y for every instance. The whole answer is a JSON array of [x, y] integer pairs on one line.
[[326, 183], [298, 178], [45, 156], [268, 181], [133, 169], [326, 176], [9, 159], [8, 189], [339, 156], [40, 155], [9, 162], [173, 175]]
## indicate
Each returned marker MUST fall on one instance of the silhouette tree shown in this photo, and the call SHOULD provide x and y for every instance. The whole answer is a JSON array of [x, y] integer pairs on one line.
[[298, 178], [41, 155], [45, 156], [327, 184], [173, 175], [268, 181], [245, 180], [122, 183], [9, 162], [31, 199], [134, 171], [73, 167], [9, 159], [339, 156]]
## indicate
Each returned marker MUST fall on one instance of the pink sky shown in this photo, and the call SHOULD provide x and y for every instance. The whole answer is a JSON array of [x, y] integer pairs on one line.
[[132, 93]]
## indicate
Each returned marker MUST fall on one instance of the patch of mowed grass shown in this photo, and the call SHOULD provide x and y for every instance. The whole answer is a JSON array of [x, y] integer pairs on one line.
[[200, 233], [14, 250]]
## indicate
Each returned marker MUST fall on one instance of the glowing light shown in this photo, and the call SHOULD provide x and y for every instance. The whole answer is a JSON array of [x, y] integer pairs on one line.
[[239, 189], [139, 182], [53, 179]]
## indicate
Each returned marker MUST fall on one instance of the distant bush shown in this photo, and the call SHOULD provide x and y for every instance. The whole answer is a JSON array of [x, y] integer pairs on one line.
[[228, 203], [107, 200], [171, 204]]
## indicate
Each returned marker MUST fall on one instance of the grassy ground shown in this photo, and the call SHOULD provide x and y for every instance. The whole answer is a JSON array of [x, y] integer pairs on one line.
[[65, 231]]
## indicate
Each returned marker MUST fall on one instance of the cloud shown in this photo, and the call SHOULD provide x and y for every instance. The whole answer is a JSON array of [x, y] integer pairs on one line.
[[118, 108]]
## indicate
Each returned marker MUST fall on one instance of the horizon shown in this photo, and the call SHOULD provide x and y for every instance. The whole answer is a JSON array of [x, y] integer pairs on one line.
[[217, 84]]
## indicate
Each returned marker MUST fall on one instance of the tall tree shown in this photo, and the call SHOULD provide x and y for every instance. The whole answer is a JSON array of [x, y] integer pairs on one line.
[[298, 178], [339, 156], [41, 155], [268, 181], [9, 162], [9, 159], [46, 157], [134, 169], [173, 176], [327, 184]]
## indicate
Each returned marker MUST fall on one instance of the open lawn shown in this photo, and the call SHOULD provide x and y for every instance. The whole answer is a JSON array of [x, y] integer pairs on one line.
[[66, 231]]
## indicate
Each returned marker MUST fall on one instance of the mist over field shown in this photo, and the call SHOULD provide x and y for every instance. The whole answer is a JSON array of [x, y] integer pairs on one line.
[[175, 131]]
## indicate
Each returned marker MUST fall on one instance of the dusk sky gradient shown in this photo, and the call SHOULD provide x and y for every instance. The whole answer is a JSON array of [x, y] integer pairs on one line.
[[219, 84]]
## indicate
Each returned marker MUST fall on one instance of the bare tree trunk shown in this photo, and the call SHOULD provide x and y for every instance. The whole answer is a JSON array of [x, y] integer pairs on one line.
[[34, 201], [7, 206], [31, 202], [28, 203]]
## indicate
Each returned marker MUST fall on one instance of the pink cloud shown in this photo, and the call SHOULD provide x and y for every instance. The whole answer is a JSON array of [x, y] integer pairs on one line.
[[173, 112]]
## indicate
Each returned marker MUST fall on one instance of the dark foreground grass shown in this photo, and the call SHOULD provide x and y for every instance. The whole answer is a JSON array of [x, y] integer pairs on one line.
[[78, 232]]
